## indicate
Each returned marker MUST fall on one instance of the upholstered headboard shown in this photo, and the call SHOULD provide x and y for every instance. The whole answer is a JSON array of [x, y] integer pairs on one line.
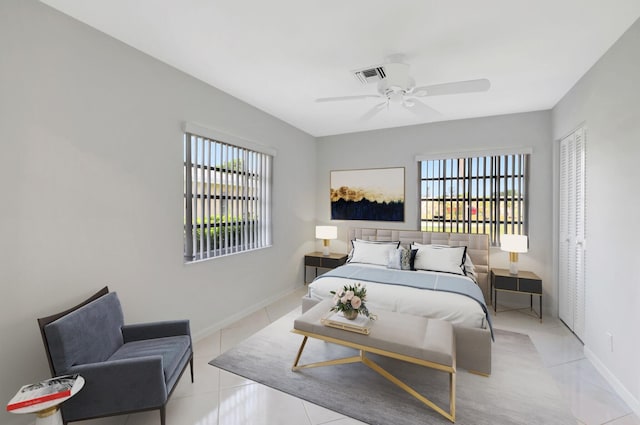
[[477, 246]]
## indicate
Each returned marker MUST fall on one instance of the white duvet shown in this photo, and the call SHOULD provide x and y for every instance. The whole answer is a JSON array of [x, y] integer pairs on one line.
[[458, 309]]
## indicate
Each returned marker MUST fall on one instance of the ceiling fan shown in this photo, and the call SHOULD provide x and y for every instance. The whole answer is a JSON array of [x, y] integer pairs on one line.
[[394, 85]]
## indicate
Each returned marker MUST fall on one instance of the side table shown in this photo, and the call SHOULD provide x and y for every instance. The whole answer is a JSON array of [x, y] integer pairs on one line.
[[319, 260], [523, 282], [48, 413]]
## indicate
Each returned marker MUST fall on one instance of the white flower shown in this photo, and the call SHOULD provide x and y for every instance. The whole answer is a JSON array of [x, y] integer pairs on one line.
[[351, 297], [356, 302]]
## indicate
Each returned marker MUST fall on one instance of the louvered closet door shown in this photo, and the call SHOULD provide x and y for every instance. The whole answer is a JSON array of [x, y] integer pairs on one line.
[[572, 232], [565, 291]]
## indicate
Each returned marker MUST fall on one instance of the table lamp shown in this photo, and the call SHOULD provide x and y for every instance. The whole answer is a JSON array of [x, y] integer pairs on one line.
[[513, 244], [326, 233]]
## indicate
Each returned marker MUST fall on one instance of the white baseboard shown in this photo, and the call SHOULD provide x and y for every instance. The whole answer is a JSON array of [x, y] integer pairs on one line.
[[620, 389], [210, 330]]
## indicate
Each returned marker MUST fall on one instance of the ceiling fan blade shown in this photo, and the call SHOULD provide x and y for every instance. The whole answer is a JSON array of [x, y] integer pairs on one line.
[[340, 98], [420, 109], [373, 111], [457, 87]]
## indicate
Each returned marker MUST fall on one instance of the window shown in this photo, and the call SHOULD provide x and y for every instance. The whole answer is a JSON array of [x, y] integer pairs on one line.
[[227, 193], [479, 194]]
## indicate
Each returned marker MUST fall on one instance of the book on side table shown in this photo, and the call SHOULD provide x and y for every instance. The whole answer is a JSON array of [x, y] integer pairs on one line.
[[43, 391]]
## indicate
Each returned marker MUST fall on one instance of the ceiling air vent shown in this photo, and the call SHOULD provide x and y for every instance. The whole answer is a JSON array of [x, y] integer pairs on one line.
[[370, 75]]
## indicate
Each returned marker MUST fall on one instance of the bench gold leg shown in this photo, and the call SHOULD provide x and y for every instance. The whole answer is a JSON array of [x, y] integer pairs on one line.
[[451, 415], [345, 360], [295, 363], [452, 401], [452, 396]]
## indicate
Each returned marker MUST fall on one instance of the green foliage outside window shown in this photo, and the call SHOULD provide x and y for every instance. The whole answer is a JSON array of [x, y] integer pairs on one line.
[[222, 231]]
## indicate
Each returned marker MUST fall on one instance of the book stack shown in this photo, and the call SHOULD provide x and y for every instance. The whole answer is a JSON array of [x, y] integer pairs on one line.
[[42, 392], [360, 324]]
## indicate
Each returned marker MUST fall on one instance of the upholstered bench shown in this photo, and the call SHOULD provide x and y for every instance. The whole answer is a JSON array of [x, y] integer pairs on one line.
[[414, 339]]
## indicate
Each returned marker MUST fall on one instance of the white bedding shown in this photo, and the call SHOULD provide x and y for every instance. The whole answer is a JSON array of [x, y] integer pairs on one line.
[[458, 309]]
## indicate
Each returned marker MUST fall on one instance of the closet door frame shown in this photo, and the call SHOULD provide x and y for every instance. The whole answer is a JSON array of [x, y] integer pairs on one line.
[[571, 230]]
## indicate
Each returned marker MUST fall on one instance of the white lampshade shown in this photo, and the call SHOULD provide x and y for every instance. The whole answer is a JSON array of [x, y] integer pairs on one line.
[[514, 244], [326, 233]]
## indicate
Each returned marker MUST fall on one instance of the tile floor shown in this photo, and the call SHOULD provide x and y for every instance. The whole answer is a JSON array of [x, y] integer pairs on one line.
[[220, 398]]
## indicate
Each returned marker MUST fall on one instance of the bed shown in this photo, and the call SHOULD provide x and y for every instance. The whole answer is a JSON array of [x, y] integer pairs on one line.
[[457, 294]]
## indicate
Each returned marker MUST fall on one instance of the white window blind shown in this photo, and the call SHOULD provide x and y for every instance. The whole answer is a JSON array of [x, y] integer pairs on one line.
[[479, 194], [227, 192]]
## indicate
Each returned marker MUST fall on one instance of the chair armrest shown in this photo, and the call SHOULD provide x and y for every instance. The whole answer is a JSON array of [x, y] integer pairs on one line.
[[118, 386], [140, 331]]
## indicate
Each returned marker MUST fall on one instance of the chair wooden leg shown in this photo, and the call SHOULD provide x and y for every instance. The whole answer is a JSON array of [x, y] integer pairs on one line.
[[163, 415], [191, 368]]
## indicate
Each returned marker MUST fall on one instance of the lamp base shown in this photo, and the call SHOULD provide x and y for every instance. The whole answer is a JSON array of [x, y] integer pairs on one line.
[[513, 263], [325, 247]]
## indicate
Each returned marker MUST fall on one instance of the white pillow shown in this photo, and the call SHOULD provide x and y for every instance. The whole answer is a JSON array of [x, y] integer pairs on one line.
[[372, 252], [440, 258], [395, 259], [469, 267], [364, 241], [434, 245]]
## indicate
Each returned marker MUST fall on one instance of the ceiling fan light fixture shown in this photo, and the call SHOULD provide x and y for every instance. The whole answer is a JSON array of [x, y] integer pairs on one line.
[[394, 94]]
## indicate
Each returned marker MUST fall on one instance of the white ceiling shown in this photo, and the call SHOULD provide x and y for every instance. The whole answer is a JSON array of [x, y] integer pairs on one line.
[[280, 55]]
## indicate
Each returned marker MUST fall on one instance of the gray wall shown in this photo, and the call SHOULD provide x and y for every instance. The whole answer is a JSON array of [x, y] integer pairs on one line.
[[605, 100], [398, 147], [91, 178], [91, 181]]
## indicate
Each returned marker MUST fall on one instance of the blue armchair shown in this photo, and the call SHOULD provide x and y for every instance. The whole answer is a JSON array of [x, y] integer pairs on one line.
[[127, 368]]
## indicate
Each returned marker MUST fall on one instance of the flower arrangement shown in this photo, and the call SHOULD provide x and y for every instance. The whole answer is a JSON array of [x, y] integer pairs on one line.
[[350, 300]]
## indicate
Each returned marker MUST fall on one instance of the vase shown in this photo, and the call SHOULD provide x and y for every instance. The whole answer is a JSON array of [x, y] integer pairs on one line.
[[350, 314]]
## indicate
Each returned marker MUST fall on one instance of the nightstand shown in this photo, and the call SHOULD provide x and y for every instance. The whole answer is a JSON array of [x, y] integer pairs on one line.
[[318, 260], [523, 283]]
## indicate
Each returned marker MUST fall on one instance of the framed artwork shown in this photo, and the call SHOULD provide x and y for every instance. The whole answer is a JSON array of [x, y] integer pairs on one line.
[[375, 194]]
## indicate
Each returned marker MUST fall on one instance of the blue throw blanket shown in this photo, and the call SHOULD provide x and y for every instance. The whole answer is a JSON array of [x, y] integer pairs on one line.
[[430, 281]]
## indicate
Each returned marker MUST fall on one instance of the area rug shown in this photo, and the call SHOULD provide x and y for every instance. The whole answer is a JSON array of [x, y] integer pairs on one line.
[[519, 391]]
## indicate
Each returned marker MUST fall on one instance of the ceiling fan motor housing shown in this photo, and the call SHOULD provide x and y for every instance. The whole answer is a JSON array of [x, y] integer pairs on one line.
[[397, 82]]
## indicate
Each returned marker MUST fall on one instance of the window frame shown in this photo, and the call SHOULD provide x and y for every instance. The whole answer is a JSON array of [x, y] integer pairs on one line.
[[232, 176], [498, 177]]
